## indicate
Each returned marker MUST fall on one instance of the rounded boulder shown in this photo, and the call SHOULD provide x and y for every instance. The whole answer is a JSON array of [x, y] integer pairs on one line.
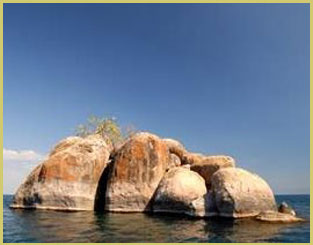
[[181, 191], [239, 193]]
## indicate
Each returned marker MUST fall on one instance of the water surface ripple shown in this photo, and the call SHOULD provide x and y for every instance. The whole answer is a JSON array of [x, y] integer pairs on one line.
[[55, 226]]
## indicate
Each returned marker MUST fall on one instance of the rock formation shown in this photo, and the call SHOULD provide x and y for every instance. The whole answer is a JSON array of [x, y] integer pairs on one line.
[[146, 174]]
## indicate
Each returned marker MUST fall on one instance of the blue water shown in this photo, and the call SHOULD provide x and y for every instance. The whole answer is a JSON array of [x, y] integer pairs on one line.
[[52, 226]]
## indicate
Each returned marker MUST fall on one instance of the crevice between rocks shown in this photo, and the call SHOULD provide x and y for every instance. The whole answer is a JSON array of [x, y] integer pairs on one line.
[[100, 197]]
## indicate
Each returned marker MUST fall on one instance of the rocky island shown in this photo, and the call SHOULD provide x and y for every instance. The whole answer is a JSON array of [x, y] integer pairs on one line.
[[146, 173]]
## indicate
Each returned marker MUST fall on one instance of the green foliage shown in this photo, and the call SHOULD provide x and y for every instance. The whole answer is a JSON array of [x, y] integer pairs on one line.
[[108, 128]]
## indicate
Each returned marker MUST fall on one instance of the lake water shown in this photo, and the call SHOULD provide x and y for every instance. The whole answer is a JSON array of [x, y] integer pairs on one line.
[[52, 226]]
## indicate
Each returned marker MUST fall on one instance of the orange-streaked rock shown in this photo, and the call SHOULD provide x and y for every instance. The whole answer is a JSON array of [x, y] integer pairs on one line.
[[137, 169], [68, 179]]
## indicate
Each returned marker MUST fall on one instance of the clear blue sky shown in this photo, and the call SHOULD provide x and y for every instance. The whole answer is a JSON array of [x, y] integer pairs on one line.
[[222, 78]]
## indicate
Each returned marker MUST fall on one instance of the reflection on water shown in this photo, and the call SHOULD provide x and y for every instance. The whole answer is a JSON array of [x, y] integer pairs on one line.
[[53, 226]]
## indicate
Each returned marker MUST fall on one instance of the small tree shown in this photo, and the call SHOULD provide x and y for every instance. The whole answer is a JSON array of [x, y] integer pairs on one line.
[[108, 128]]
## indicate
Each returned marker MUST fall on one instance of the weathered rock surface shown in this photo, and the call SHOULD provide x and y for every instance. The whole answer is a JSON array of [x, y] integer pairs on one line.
[[68, 179], [187, 166], [192, 158], [277, 217], [137, 169], [210, 164], [175, 147], [181, 191], [65, 143], [239, 193], [174, 161]]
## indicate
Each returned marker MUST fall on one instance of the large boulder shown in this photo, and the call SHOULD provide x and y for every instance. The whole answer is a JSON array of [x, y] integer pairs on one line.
[[209, 165], [181, 191], [68, 179], [239, 193], [137, 168]]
